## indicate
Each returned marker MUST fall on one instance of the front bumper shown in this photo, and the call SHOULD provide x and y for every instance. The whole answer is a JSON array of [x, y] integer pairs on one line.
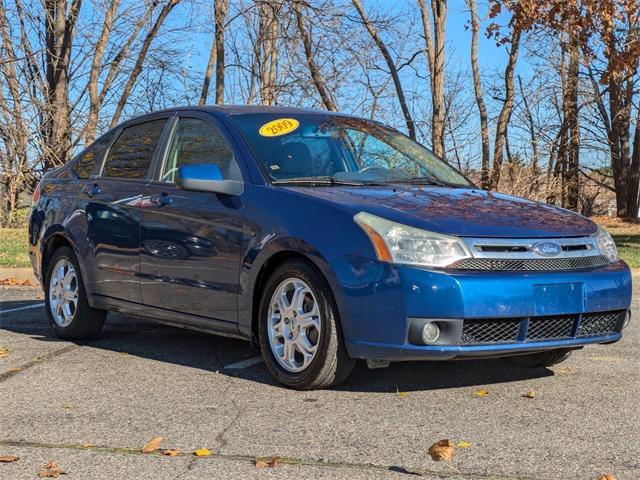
[[378, 302]]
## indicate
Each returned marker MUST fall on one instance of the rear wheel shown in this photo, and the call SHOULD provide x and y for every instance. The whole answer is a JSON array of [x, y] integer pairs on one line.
[[70, 316], [299, 330], [538, 360]]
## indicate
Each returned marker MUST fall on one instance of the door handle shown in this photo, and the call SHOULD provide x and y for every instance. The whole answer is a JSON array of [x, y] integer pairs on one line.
[[161, 199], [91, 190]]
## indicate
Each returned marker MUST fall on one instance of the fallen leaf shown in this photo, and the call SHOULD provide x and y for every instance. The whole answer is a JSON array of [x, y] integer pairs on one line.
[[442, 450], [8, 458], [171, 452], [481, 392], [51, 470], [268, 462], [4, 352], [463, 444], [608, 476], [202, 452], [152, 445], [309, 399], [14, 282], [67, 406], [401, 394], [87, 445], [530, 394]]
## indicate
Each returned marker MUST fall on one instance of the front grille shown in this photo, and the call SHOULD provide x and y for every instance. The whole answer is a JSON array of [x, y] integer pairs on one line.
[[508, 330], [542, 328], [593, 324], [533, 264], [503, 330]]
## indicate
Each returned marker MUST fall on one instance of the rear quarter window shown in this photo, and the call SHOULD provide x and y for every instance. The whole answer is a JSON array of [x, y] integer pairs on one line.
[[85, 164], [131, 154]]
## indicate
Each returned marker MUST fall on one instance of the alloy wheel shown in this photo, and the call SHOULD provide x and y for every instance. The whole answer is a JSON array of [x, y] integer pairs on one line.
[[63, 292]]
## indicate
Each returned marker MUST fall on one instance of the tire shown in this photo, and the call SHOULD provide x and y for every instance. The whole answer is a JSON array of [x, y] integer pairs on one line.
[[538, 360], [67, 320], [329, 365]]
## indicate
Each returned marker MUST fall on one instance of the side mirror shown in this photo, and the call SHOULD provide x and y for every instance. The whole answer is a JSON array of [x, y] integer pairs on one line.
[[207, 178]]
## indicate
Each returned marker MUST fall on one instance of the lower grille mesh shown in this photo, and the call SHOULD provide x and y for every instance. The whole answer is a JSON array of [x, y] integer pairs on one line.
[[507, 330], [533, 264], [490, 331], [550, 327], [598, 323]]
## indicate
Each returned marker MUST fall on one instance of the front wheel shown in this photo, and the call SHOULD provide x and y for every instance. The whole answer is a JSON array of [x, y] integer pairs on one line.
[[69, 313], [538, 360], [299, 330]]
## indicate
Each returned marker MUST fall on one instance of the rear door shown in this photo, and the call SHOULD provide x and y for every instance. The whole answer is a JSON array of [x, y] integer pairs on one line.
[[192, 241], [114, 209]]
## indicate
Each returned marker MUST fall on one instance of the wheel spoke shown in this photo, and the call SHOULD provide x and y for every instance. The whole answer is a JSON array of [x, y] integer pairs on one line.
[[297, 300], [309, 320], [288, 353]]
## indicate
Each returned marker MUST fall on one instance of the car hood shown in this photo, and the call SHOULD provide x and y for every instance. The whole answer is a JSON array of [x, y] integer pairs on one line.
[[457, 211]]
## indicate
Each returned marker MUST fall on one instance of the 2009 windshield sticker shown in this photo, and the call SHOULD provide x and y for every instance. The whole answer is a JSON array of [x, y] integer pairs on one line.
[[278, 127]]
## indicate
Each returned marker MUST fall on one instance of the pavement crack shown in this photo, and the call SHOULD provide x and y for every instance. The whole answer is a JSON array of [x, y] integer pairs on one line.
[[409, 471], [36, 361]]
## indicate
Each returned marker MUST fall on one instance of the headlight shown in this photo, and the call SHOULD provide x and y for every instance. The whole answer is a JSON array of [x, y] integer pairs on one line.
[[606, 245], [397, 243]]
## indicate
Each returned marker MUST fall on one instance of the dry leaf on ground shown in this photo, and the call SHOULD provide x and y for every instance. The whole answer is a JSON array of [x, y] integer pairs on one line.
[[202, 452], [481, 392], [442, 450], [8, 458], [268, 462], [51, 470], [152, 445], [14, 282], [463, 444], [530, 394], [608, 476], [4, 352], [401, 394], [171, 452]]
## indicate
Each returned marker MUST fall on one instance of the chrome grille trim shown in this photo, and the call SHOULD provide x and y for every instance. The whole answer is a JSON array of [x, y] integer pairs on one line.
[[522, 248], [491, 331], [533, 264]]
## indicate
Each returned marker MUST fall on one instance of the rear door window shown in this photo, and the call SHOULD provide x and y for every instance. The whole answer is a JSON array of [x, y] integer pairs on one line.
[[198, 142], [132, 153], [86, 162]]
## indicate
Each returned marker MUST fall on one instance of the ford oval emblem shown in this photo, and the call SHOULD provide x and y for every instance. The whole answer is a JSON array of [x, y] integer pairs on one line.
[[547, 249]]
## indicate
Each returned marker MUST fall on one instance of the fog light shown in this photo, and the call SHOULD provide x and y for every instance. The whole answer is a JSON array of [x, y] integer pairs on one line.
[[430, 332], [627, 319]]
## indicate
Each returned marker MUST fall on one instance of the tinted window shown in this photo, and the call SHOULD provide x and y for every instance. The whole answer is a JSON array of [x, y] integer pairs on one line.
[[131, 154], [84, 165], [197, 142]]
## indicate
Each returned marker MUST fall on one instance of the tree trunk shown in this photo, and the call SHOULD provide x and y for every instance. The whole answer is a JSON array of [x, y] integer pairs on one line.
[[59, 32], [435, 49], [220, 13], [314, 70], [204, 93], [267, 47], [477, 83], [391, 65], [94, 75], [505, 112], [573, 151]]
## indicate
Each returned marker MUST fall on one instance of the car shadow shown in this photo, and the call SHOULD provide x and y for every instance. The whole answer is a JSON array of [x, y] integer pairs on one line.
[[210, 353]]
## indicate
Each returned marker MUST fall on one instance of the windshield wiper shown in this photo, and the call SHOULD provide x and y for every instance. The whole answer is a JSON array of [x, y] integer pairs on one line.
[[428, 181], [320, 180]]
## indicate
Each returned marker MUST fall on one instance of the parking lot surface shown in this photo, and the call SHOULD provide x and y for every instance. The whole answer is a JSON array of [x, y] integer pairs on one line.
[[91, 407]]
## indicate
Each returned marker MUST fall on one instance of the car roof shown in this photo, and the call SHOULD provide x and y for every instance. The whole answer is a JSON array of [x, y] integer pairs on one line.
[[240, 110]]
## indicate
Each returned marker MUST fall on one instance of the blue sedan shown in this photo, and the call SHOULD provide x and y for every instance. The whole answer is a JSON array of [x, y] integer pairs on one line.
[[322, 239]]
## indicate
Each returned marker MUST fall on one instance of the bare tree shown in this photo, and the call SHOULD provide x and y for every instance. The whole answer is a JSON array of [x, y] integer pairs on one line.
[[435, 49], [411, 129], [477, 84]]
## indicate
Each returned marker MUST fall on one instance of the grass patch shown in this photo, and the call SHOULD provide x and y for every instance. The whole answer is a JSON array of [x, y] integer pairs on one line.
[[14, 247], [627, 238]]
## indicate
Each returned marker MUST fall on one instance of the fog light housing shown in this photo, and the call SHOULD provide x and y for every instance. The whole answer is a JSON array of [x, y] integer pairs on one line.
[[430, 332]]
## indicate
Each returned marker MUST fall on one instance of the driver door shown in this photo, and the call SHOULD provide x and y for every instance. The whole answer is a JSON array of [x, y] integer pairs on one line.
[[191, 242]]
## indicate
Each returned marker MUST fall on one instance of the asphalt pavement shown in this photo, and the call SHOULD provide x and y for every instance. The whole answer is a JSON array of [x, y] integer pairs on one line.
[[91, 407]]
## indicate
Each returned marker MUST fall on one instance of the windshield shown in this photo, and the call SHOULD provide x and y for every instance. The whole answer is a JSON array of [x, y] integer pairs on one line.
[[332, 149]]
